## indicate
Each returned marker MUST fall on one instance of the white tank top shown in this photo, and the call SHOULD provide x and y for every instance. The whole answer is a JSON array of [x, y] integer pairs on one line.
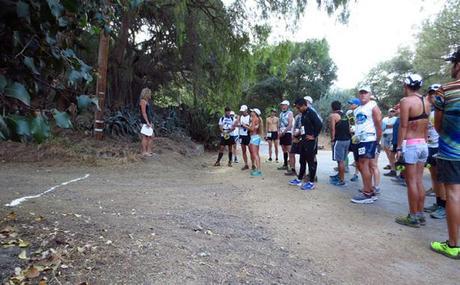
[[365, 128], [244, 120], [284, 121]]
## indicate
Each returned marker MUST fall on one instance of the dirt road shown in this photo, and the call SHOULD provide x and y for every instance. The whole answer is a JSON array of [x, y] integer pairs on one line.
[[178, 220]]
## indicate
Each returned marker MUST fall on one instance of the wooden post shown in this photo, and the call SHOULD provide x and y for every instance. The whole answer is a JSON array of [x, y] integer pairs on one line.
[[101, 85]]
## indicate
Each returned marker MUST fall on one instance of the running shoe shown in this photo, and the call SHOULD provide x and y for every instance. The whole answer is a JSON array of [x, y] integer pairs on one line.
[[253, 167], [295, 182], [430, 192], [431, 208], [270, 159], [334, 176], [421, 220], [229, 164], [439, 214], [308, 186], [284, 167], [408, 221], [290, 173], [354, 178], [377, 190], [276, 160], [392, 173], [236, 161], [338, 183], [245, 167], [217, 163], [444, 249], [256, 173], [362, 198], [388, 167]]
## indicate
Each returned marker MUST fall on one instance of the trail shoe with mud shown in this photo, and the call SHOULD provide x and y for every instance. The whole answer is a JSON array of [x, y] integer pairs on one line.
[[445, 249], [354, 178], [408, 221]]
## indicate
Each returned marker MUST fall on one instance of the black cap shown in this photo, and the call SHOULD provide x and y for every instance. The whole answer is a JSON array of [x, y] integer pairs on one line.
[[300, 102], [227, 109], [455, 57]]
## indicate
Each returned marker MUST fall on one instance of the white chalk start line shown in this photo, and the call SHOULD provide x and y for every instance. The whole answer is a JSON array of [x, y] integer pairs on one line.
[[16, 202]]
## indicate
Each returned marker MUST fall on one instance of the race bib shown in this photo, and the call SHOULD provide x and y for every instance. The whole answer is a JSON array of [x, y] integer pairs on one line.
[[302, 130], [269, 135], [361, 150]]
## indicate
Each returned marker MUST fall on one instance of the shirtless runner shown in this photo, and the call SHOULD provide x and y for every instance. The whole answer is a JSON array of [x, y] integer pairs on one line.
[[272, 135]]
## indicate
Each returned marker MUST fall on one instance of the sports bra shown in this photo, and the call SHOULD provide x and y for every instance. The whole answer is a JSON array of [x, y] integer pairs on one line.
[[423, 115]]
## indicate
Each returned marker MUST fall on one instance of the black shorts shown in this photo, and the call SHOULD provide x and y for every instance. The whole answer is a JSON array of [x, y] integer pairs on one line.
[[295, 149], [448, 171], [245, 140], [367, 149], [229, 141], [431, 160], [286, 139], [272, 136]]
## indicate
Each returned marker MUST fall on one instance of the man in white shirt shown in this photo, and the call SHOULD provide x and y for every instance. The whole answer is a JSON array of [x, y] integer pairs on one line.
[[387, 127], [368, 118], [243, 121]]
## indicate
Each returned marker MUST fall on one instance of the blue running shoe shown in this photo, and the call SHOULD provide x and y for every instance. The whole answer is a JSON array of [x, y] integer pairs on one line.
[[354, 178], [256, 173], [338, 183], [308, 186], [295, 182]]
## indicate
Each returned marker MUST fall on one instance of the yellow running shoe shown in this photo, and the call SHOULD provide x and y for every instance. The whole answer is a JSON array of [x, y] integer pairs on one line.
[[445, 249]]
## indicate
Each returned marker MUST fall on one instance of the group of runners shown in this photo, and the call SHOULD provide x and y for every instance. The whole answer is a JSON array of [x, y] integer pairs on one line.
[[422, 130]]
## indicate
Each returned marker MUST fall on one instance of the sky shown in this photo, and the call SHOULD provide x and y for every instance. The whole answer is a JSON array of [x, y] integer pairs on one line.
[[375, 31]]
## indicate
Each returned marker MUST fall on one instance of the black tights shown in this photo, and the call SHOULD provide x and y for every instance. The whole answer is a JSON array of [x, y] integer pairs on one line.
[[308, 155]]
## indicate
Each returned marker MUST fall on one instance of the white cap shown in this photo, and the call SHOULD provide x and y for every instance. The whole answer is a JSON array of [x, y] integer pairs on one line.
[[232, 113], [309, 99], [285, 102], [243, 108], [257, 111], [365, 88]]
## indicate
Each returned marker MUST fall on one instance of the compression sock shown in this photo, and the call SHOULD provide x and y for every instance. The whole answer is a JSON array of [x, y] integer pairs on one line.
[[230, 156], [220, 156], [285, 156]]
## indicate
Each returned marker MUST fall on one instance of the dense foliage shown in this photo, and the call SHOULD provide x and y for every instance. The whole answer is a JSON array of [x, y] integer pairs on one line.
[[196, 52], [438, 38]]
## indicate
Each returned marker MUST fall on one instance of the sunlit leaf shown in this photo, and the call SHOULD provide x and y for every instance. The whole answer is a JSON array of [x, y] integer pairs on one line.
[[62, 119], [18, 91], [29, 62], [20, 124], [23, 243], [56, 8], [23, 255], [39, 128]]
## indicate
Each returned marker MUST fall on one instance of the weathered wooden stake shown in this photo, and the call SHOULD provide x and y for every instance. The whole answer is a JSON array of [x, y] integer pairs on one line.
[[101, 85]]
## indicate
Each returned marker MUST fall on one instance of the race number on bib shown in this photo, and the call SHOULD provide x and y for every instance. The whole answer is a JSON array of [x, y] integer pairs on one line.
[[361, 150], [269, 135]]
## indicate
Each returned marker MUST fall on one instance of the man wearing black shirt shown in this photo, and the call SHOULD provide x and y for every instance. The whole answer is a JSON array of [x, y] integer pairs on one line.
[[310, 128]]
